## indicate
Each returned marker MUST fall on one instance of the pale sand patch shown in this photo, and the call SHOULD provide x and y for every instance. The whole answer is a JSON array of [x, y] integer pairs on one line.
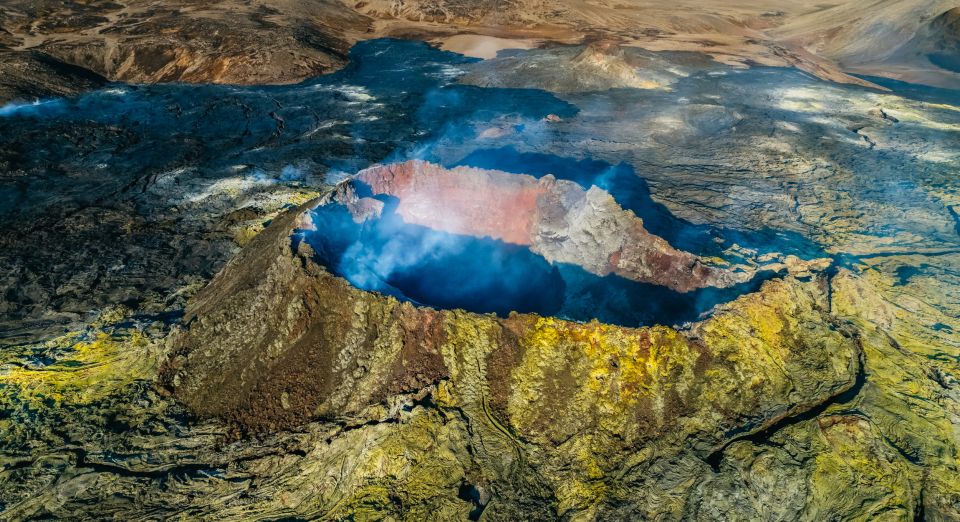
[[485, 47]]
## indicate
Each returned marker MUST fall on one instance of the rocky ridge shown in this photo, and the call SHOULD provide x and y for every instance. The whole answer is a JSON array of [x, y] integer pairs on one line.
[[182, 41]]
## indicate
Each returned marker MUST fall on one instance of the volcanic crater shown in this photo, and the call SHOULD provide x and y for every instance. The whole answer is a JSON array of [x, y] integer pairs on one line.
[[490, 241], [374, 290]]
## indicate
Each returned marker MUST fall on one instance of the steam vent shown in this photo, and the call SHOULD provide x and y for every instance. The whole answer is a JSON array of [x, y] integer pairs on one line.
[[480, 261]]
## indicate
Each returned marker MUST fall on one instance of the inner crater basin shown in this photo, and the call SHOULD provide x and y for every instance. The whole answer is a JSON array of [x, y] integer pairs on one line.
[[489, 241]]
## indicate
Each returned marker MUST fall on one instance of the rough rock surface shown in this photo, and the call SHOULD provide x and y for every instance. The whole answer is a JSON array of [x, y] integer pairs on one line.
[[596, 66], [145, 42], [34, 75]]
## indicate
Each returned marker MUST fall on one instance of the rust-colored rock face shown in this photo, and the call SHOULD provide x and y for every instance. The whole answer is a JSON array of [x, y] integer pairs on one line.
[[461, 200], [557, 219]]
